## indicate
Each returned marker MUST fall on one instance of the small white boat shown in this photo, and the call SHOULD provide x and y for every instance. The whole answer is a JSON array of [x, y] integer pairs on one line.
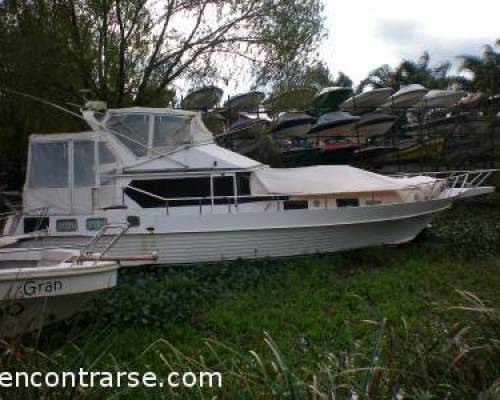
[[247, 102], [374, 124], [293, 125], [405, 97], [366, 101], [38, 286], [202, 99], [440, 99], [338, 123]]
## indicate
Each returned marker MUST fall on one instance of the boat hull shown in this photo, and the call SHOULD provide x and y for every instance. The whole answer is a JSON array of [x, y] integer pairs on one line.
[[374, 129], [31, 314], [276, 234], [366, 101], [34, 297], [294, 131], [347, 129]]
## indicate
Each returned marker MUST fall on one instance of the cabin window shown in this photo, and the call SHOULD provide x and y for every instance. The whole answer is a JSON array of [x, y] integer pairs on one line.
[[132, 130], [133, 221], [373, 202], [33, 224], [66, 225], [295, 204], [243, 183], [347, 203], [223, 186], [83, 163], [107, 164], [105, 154], [171, 131], [171, 189], [94, 224], [49, 165]]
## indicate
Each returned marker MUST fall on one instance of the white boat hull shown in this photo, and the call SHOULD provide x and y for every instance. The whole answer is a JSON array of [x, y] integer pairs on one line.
[[31, 297], [220, 237], [404, 100], [31, 314], [366, 101]]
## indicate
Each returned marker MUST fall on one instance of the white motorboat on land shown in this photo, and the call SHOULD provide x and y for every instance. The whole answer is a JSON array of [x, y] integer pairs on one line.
[[191, 201], [366, 101], [338, 123], [440, 99], [246, 102], [374, 124], [203, 98], [293, 125], [405, 97]]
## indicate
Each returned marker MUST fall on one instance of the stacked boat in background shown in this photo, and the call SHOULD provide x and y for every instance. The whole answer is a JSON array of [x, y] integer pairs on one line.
[[381, 126]]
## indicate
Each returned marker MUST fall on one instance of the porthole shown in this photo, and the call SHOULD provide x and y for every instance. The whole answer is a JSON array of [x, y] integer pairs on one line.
[[94, 224], [66, 225], [133, 220]]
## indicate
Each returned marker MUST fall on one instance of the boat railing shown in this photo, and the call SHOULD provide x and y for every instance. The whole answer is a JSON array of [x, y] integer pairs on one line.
[[119, 228], [457, 179], [231, 200]]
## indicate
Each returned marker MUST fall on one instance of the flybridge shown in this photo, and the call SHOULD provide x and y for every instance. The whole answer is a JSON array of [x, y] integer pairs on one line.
[[77, 173]]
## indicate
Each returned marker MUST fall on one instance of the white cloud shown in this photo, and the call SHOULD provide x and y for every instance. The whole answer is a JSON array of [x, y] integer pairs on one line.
[[366, 34]]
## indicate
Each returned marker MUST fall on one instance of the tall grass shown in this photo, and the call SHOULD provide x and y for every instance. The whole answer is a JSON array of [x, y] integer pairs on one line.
[[458, 359]]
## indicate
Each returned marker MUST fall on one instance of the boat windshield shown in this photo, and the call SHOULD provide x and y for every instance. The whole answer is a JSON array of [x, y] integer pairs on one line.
[[132, 130], [143, 132], [171, 131]]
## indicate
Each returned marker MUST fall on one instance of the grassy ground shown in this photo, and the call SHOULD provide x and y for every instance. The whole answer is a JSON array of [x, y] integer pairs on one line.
[[381, 322]]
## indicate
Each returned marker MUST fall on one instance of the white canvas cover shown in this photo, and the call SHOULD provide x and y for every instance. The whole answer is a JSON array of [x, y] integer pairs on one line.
[[63, 172], [327, 179]]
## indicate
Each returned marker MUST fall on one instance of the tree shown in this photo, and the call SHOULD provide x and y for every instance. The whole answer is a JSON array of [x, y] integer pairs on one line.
[[141, 48], [134, 52], [408, 72], [485, 69]]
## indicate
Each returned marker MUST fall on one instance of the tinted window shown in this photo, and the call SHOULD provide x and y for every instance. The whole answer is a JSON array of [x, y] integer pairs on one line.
[[133, 220], [34, 224], [347, 202], [295, 204]]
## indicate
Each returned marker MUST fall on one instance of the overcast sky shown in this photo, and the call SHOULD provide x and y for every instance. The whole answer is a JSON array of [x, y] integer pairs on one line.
[[364, 34]]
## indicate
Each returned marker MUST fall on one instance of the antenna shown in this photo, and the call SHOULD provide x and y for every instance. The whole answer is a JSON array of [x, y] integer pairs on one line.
[[40, 100]]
